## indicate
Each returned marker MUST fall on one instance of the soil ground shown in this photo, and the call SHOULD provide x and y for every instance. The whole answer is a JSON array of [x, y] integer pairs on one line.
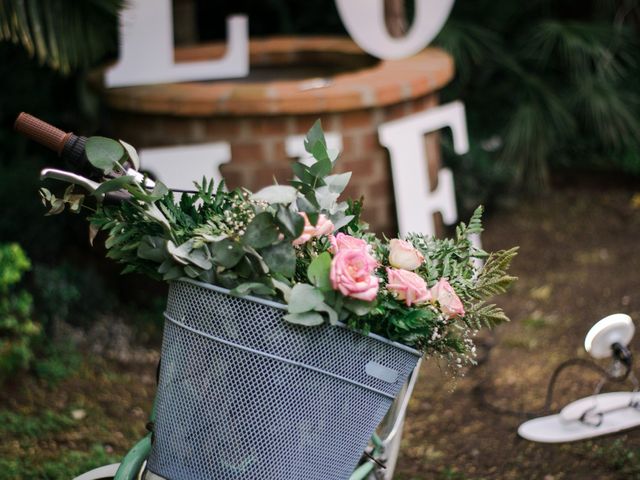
[[577, 263]]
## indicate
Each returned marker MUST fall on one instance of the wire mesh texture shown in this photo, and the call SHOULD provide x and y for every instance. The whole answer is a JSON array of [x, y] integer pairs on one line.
[[243, 394]]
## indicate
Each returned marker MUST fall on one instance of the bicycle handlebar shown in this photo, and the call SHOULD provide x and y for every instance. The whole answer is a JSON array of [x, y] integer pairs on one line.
[[41, 132], [66, 144], [69, 147]]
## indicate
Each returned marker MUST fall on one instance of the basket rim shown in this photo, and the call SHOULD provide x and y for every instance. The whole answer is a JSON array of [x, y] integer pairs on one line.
[[282, 306]]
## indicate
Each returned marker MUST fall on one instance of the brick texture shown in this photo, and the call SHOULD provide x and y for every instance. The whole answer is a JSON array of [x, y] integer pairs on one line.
[[256, 119]]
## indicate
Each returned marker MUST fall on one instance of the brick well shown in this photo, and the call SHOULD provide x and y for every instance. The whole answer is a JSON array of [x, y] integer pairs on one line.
[[255, 116]]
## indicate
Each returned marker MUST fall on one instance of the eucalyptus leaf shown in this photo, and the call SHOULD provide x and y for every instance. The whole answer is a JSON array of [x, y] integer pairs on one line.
[[104, 153], [359, 307], [290, 222], [280, 258], [133, 154], [333, 315], [341, 221], [200, 258], [173, 273], [276, 194], [338, 182], [114, 184], [318, 271], [308, 319], [227, 253], [314, 135], [307, 204], [185, 253], [302, 172], [284, 288], [152, 248], [304, 298], [262, 231], [256, 258], [323, 164], [192, 271], [252, 287]]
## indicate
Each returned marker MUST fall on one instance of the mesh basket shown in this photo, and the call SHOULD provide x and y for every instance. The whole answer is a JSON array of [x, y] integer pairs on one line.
[[244, 394]]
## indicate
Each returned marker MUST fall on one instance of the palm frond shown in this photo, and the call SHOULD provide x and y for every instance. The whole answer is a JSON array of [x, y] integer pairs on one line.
[[608, 111], [64, 34], [540, 121], [471, 46], [581, 47]]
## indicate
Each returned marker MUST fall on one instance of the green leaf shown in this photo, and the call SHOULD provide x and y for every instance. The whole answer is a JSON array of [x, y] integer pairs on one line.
[[284, 288], [227, 253], [132, 153], [262, 231], [152, 248], [338, 182], [323, 165], [103, 153], [276, 194], [191, 271], [252, 287], [173, 273], [302, 172], [280, 258], [291, 223], [114, 184], [333, 315], [359, 307], [159, 191], [304, 298], [318, 271], [308, 204], [199, 257], [314, 136], [308, 319], [185, 254], [341, 221]]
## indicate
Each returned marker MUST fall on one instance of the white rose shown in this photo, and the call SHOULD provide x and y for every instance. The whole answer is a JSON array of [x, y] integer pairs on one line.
[[403, 255]]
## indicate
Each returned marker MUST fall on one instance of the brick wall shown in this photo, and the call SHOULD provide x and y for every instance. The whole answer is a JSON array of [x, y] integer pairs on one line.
[[258, 152], [256, 117]]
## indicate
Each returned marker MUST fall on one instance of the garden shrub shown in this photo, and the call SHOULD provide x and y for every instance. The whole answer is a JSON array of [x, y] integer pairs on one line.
[[17, 330]]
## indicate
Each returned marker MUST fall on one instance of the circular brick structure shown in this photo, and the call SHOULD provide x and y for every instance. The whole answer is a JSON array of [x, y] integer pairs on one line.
[[293, 82]]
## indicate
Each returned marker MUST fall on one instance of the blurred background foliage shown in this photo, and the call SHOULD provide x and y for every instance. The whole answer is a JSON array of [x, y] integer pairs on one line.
[[550, 88]]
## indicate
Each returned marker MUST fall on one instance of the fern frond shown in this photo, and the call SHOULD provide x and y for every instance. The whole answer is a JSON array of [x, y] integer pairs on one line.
[[493, 279]]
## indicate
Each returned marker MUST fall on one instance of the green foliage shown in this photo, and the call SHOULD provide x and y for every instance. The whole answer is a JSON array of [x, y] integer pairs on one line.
[[67, 465], [56, 362], [64, 34], [17, 330], [278, 243], [454, 259], [546, 84], [33, 426]]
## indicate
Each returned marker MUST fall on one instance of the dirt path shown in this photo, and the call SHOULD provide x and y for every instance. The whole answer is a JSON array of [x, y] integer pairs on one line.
[[579, 261]]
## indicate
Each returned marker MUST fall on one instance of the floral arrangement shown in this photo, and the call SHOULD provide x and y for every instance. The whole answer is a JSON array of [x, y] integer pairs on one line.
[[299, 244]]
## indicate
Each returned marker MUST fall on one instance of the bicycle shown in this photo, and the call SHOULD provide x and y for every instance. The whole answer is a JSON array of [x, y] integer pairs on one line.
[[378, 460]]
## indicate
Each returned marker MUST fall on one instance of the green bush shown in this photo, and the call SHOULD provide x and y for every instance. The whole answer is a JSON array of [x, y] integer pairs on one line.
[[546, 84], [17, 330]]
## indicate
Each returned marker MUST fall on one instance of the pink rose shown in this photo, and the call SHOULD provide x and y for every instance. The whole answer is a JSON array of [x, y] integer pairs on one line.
[[445, 295], [352, 274], [403, 255], [323, 226], [407, 286], [347, 242]]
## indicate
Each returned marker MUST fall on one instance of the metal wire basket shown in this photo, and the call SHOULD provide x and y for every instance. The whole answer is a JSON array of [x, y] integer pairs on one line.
[[243, 394]]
